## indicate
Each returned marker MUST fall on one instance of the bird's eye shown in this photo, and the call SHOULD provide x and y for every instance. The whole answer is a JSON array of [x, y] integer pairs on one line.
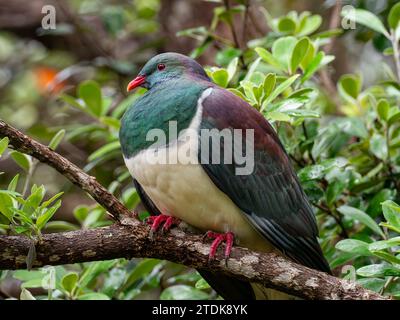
[[161, 66]]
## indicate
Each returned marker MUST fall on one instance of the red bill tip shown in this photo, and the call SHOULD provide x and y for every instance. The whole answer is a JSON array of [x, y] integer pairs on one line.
[[139, 80]]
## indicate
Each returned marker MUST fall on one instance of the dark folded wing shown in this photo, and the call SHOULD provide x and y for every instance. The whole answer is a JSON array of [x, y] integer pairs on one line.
[[270, 196]]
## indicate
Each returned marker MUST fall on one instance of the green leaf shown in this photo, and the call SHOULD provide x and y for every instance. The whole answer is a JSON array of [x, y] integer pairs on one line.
[[374, 206], [59, 226], [378, 270], [298, 54], [23, 216], [220, 77], [202, 284], [282, 50], [309, 57], [383, 109], [21, 229], [112, 146], [333, 136], [313, 66], [73, 102], [340, 259], [278, 90], [80, 213], [393, 118], [327, 34], [68, 282], [55, 141], [6, 203], [394, 16], [313, 172], [361, 216], [303, 93], [391, 212], [248, 88], [349, 87], [25, 275], [130, 198], [197, 52], [93, 296], [277, 116], [374, 284], [238, 93], [269, 83], [386, 256], [183, 292], [12, 186], [92, 270], [111, 122], [227, 56], [365, 18], [21, 159], [185, 278], [93, 217], [388, 52], [3, 145], [268, 58], [90, 92], [333, 191], [35, 198], [286, 25], [26, 295], [142, 269], [310, 25], [42, 220], [389, 226], [51, 200], [353, 246], [232, 67], [384, 244], [378, 146]]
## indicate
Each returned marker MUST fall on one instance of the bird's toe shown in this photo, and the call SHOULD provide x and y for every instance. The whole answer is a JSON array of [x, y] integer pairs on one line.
[[167, 223], [227, 237]]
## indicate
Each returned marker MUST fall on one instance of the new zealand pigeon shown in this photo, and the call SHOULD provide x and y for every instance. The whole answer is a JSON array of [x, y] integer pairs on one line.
[[188, 177]]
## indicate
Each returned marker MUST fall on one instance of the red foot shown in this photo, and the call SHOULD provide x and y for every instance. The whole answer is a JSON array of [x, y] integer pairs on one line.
[[227, 237], [156, 222]]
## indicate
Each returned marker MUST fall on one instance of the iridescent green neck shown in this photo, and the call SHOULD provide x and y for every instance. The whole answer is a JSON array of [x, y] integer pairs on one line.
[[172, 101]]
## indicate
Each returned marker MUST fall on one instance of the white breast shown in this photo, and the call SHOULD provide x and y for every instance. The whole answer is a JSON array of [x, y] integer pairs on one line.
[[185, 191]]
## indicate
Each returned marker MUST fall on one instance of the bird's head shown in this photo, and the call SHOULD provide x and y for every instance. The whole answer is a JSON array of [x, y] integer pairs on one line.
[[167, 67]]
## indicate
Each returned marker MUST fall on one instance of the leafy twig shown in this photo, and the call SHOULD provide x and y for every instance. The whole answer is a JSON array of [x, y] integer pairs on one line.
[[338, 220], [234, 34]]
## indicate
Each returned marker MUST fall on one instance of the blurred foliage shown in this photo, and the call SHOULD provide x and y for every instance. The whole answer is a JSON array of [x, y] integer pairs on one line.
[[346, 148]]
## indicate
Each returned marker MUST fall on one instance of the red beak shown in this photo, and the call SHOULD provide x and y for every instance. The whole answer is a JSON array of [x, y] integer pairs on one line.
[[139, 80]]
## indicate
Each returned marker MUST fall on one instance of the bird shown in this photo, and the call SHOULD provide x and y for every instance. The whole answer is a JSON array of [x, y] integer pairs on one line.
[[262, 207]]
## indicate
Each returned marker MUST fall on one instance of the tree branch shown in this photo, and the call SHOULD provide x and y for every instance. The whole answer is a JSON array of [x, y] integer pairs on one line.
[[130, 238], [25, 144], [117, 241]]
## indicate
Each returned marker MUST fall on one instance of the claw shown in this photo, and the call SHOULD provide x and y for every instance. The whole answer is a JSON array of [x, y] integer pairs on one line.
[[169, 223], [156, 221], [228, 238]]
